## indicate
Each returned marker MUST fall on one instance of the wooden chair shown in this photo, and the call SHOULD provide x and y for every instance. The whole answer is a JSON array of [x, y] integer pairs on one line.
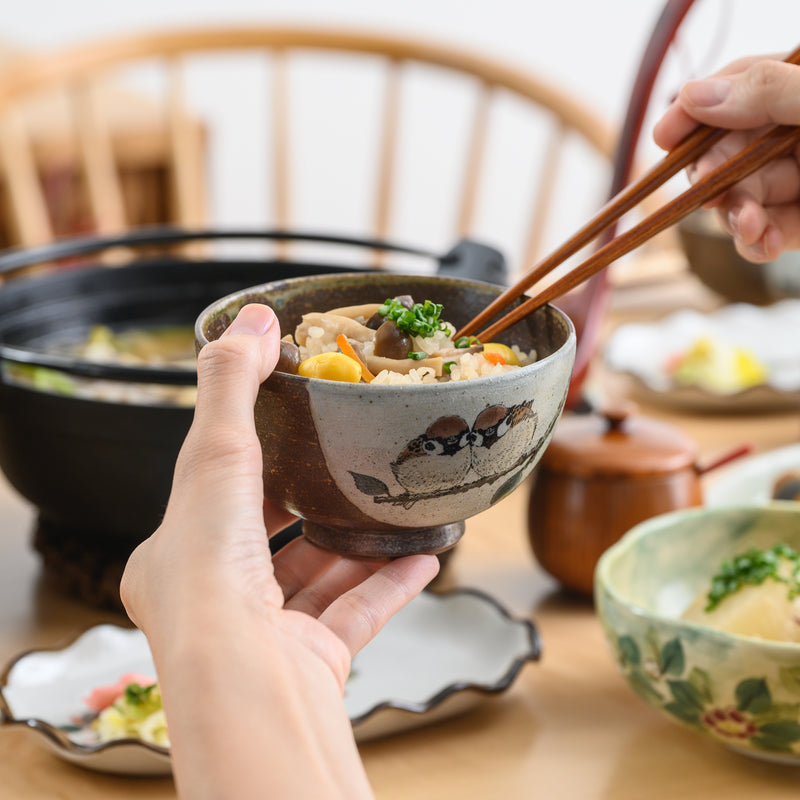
[[525, 177], [363, 134]]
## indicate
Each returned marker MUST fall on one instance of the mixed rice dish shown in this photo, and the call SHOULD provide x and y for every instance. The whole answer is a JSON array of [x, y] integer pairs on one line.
[[395, 342]]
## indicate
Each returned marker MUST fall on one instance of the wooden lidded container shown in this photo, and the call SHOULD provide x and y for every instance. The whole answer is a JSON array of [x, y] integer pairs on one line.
[[601, 475]]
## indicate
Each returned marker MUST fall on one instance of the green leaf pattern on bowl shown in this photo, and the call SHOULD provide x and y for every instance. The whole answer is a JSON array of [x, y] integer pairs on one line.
[[741, 691], [662, 674]]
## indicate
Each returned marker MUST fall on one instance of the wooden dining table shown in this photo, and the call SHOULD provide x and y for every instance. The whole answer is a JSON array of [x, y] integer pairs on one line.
[[568, 727]]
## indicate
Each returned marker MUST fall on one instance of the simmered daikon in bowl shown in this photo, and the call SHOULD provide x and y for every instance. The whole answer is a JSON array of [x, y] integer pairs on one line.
[[700, 608]]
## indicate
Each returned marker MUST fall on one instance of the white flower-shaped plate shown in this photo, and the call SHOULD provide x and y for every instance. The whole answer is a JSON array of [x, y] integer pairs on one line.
[[438, 657], [752, 480], [771, 333]]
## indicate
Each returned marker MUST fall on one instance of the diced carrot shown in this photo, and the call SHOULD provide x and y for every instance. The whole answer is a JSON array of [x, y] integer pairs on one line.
[[348, 350], [494, 358]]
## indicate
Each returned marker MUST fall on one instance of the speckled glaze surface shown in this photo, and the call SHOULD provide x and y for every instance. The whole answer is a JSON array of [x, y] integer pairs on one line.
[[392, 470], [741, 691]]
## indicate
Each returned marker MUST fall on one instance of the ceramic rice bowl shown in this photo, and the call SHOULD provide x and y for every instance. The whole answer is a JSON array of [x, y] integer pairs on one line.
[[333, 451], [740, 691]]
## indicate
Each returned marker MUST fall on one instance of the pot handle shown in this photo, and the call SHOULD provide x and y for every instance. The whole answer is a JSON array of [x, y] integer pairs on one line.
[[726, 458], [468, 259], [19, 258], [475, 261]]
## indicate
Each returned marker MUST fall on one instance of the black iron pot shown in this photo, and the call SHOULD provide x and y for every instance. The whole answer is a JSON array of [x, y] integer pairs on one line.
[[105, 468]]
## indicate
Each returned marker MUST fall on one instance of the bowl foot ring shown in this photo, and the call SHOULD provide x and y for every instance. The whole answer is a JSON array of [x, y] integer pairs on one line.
[[384, 544]]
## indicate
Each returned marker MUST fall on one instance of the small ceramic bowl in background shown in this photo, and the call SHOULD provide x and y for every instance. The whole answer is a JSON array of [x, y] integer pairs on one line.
[[332, 450], [741, 691], [713, 258]]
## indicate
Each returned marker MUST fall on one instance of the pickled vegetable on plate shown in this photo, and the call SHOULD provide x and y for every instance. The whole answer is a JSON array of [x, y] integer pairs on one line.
[[716, 366]]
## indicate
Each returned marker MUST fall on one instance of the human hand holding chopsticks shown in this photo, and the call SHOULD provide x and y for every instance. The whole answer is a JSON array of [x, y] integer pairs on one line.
[[762, 212], [720, 179]]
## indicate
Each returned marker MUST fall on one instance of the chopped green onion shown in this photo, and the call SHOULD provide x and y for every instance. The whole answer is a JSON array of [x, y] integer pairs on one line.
[[447, 366], [138, 695], [466, 341], [754, 567], [417, 355], [422, 319]]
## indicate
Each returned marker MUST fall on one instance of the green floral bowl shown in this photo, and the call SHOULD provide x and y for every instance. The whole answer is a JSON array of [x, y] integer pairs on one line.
[[742, 691]]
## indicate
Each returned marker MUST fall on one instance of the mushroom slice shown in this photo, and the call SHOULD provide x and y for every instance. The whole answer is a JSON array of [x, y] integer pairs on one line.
[[333, 325], [377, 364], [359, 313]]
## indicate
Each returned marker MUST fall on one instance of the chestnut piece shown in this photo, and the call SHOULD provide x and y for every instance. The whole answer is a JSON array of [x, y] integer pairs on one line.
[[600, 476]]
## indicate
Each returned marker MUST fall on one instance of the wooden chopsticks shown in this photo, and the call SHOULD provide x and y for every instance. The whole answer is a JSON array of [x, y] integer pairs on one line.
[[774, 143]]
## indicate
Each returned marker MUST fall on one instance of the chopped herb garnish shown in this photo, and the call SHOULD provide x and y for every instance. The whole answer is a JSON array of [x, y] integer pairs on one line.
[[417, 355], [466, 341], [447, 366], [138, 695], [422, 319], [754, 567]]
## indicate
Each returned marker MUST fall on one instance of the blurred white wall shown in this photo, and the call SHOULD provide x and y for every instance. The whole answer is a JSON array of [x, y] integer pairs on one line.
[[591, 48]]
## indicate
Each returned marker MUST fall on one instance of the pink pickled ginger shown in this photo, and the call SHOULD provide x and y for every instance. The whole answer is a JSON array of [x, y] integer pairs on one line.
[[103, 696]]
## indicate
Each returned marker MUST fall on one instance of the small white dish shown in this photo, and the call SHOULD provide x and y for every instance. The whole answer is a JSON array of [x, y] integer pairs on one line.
[[771, 333], [438, 657], [43, 690], [752, 480]]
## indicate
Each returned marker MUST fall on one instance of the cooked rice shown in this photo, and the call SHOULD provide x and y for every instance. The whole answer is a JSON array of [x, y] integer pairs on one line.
[[317, 342], [474, 365], [441, 340], [421, 375], [469, 365], [524, 358]]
